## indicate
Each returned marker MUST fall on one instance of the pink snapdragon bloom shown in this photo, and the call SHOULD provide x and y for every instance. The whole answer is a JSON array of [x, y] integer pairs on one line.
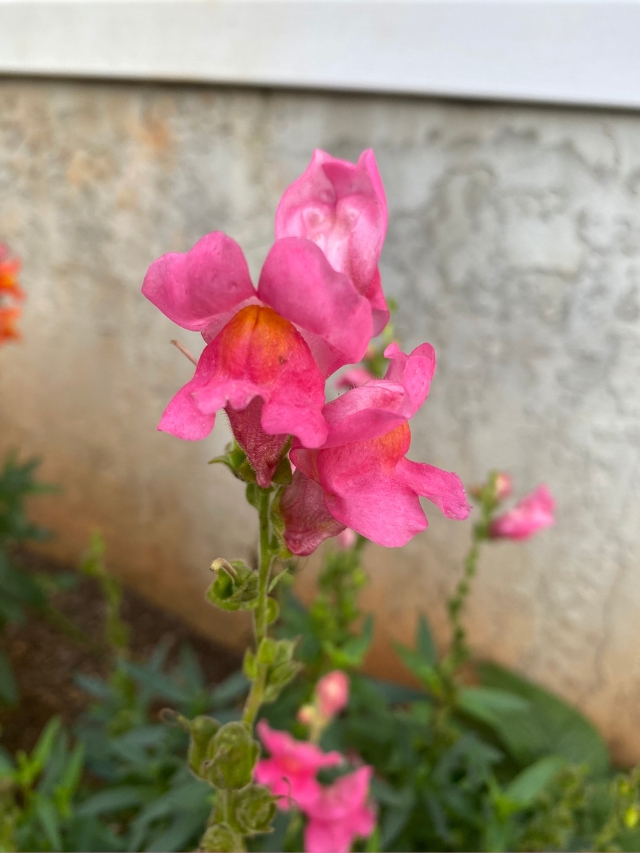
[[360, 477], [268, 351], [342, 207], [340, 814], [532, 513], [290, 772], [332, 693]]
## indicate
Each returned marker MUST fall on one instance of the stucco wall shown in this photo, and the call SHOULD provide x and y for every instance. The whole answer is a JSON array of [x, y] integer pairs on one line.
[[514, 247]]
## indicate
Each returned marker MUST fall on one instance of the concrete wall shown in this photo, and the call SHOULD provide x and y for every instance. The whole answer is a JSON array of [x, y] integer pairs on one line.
[[514, 247]]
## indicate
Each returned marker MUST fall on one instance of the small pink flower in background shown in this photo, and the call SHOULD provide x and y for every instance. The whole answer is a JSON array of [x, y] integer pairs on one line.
[[340, 814], [341, 206], [9, 330], [332, 692], [503, 486], [532, 513], [290, 772], [353, 378], [346, 539]]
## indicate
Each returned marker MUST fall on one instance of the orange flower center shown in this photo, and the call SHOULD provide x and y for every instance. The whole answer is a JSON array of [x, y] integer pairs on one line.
[[256, 344]]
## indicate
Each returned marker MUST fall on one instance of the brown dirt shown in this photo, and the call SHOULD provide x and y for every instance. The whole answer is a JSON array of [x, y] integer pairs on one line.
[[45, 658]]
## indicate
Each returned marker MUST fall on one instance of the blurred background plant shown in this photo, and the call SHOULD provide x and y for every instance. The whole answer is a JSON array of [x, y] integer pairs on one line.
[[472, 757]]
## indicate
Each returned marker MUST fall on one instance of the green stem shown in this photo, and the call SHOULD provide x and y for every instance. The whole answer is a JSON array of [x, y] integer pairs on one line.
[[254, 699]]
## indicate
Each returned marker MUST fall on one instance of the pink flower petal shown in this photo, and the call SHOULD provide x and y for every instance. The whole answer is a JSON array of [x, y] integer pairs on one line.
[[192, 288], [532, 513], [298, 282], [258, 354], [308, 756], [380, 405], [341, 206], [442, 488]]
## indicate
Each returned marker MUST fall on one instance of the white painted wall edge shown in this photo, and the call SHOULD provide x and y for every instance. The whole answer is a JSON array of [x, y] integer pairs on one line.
[[554, 51]]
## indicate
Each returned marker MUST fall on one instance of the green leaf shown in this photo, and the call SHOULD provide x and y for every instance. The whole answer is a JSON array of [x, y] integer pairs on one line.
[[48, 818], [531, 781], [396, 817], [44, 746], [115, 800], [549, 727], [489, 705], [71, 774], [417, 665], [8, 685], [178, 834], [425, 645]]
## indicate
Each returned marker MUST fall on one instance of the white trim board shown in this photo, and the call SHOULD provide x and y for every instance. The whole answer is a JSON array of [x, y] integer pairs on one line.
[[554, 51]]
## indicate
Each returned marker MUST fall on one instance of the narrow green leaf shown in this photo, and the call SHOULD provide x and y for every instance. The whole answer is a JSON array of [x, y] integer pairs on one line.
[[531, 781], [425, 645]]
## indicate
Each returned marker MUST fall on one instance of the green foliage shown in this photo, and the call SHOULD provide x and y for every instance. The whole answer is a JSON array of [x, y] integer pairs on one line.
[[17, 589]]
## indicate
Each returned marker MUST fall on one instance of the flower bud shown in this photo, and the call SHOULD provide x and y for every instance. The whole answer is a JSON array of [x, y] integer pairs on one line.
[[232, 755], [306, 715], [255, 808], [332, 693], [502, 486], [202, 729], [221, 839], [235, 586], [346, 539]]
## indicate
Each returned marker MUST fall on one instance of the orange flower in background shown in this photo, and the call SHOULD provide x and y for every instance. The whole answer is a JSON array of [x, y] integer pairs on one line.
[[9, 289]]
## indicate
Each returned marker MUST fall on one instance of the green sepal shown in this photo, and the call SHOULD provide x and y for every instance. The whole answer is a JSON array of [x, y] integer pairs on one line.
[[246, 473], [235, 586], [201, 729], [278, 545], [253, 495], [233, 457], [273, 610], [255, 809], [232, 755], [283, 476], [250, 665], [278, 678], [221, 838]]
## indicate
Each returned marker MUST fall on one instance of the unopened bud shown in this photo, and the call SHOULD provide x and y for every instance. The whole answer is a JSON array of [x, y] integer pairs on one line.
[[332, 692], [346, 539], [306, 715], [502, 486]]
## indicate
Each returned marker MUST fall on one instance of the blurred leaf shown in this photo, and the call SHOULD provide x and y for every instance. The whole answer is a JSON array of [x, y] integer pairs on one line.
[[425, 645], [232, 689], [549, 727], [44, 746], [490, 705], [531, 781], [46, 814], [8, 685], [115, 800], [396, 817]]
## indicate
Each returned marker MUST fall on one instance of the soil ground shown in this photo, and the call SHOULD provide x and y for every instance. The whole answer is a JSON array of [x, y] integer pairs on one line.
[[45, 658]]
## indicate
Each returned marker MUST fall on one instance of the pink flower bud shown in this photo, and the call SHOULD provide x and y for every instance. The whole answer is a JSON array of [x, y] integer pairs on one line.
[[529, 515], [306, 715], [332, 693], [346, 539], [503, 486]]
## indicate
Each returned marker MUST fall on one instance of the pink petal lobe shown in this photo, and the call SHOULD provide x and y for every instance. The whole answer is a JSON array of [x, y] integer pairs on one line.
[[532, 513], [307, 520], [193, 287], [298, 283], [259, 354], [363, 490], [442, 488], [341, 206], [381, 405], [182, 417]]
